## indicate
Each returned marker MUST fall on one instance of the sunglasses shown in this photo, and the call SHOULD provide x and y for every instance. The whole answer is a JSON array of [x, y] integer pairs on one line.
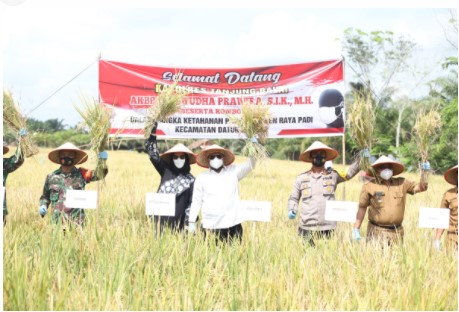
[[178, 157], [219, 156]]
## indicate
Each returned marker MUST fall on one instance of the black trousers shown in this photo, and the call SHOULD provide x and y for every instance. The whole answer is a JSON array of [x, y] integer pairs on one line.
[[310, 236], [228, 234]]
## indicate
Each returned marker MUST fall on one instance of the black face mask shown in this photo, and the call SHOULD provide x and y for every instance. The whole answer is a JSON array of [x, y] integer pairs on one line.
[[66, 161], [318, 161]]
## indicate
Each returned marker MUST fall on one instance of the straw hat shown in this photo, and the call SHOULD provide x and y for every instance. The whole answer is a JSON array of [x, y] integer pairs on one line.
[[5, 148], [306, 155], [203, 161], [397, 167], [451, 175], [178, 148], [80, 155]]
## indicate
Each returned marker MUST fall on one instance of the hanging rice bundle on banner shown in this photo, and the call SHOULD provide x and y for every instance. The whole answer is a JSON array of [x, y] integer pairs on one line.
[[96, 117], [254, 123], [361, 119], [426, 131], [14, 120], [167, 103]]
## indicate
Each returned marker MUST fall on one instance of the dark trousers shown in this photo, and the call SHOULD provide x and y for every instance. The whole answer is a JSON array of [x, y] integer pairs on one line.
[[310, 236], [225, 235]]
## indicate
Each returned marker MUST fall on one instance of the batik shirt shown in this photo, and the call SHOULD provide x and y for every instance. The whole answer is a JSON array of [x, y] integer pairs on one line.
[[9, 165], [56, 185]]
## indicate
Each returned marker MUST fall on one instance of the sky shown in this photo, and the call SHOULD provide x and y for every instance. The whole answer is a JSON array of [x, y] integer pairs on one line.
[[46, 44]]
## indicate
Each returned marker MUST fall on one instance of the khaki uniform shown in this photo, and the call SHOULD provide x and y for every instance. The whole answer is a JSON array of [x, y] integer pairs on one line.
[[449, 200], [387, 208], [312, 190]]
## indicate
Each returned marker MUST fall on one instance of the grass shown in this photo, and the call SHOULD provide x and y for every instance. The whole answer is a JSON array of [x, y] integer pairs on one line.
[[96, 118], [426, 130], [361, 120], [116, 263], [253, 122], [15, 121]]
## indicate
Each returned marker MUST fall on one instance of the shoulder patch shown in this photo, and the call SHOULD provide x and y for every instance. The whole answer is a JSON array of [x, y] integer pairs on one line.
[[87, 174]]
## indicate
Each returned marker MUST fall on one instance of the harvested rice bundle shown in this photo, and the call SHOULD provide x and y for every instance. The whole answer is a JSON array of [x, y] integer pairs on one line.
[[96, 117], [426, 131], [361, 119], [254, 123], [14, 120], [167, 103]]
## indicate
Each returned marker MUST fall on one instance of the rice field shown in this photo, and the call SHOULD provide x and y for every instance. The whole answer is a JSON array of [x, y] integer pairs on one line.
[[117, 263]]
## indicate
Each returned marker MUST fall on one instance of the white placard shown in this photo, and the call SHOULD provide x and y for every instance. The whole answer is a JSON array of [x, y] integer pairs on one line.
[[343, 211], [159, 204], [253, 210], [80, 199], [434, 218]]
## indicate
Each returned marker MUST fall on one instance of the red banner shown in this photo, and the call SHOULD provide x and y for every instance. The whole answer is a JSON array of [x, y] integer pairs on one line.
[[304, 99]]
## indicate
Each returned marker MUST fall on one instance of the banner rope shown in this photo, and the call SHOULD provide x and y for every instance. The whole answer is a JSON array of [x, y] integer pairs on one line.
[[60, 88]]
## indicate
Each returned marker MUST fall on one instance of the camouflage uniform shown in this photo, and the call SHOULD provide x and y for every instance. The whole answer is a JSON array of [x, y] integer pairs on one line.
[[10, 165], [57, 183]]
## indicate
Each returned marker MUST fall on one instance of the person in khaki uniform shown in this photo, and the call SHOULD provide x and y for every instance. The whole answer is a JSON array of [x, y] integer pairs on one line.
[[386, 197], [449, 200], [313, 188]]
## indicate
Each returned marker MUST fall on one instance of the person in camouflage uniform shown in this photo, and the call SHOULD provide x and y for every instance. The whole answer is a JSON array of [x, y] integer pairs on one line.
[[67, 177], [9, 165]]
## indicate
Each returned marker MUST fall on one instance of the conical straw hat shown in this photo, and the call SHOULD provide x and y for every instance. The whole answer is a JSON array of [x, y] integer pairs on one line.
[[178, 148], [451, 175], [306, 155], [397, 167], [5, 148], [80, 155], [203, 161]]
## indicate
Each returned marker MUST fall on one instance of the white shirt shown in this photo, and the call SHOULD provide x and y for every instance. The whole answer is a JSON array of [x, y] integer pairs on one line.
[[217, 196]]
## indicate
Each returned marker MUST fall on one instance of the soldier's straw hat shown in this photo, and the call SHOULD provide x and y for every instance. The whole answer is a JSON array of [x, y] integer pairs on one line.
[[80, 155], [306, 155], [5, 148], [397, 167], [178, 148], [451, 175], [203, 160]]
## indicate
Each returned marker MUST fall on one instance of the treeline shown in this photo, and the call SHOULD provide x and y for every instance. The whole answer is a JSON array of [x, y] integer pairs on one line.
[[379, 60]]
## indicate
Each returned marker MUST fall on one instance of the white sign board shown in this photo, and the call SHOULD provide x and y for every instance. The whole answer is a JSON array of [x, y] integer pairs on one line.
[[253, 210], [81, 199], [343, 211], [159, 204], [434, 218]]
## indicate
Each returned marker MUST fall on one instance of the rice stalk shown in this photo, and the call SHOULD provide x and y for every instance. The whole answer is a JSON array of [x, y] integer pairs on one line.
[[96, 117], [426, 131], [361, 118], [167, 103], [253, 122], [13, 119]]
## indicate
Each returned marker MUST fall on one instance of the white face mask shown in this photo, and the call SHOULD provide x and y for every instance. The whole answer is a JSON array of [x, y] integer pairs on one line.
[[386, 174], [179, 163], [216, 163], [327, 114]]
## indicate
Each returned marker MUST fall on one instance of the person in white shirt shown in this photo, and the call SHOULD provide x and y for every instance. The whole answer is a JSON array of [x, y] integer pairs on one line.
[[216, 193]]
